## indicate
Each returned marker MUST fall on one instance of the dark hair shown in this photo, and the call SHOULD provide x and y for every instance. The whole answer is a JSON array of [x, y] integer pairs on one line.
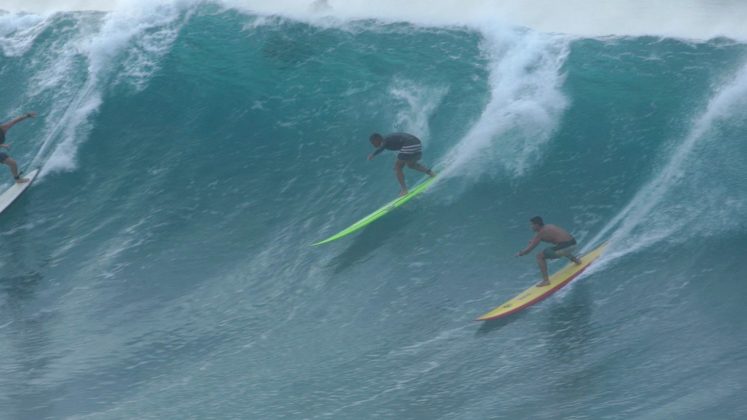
[[375, 137], [537, 221]]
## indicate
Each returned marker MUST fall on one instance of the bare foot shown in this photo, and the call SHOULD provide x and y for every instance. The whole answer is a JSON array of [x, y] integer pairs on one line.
[[403, 193], [431, 174], [576, 260], [543, 283], [22, 180]]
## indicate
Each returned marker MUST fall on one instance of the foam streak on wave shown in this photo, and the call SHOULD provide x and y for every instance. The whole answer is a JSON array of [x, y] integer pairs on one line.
[[17, 33], [421, 102], [137, 34], [657, 212], [524, 106]]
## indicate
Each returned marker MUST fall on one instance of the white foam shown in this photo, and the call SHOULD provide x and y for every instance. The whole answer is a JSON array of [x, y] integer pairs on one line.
[[133, 22], [683, 200], [695, 19], [420, 103], [76, 127], [17, 33], [524, 108], [139, 32], [52, 6]]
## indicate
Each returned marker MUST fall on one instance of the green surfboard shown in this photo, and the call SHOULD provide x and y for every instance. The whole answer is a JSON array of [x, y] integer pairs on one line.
[[380, 212]]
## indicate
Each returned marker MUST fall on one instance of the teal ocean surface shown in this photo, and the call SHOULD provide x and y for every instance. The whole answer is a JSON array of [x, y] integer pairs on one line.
[[191, 151]]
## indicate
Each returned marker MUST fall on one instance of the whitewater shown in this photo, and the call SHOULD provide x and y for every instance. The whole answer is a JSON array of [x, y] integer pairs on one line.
[[192, 151]]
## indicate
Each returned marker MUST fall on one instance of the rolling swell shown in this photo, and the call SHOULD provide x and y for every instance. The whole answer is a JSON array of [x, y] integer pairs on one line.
[[161, 266]]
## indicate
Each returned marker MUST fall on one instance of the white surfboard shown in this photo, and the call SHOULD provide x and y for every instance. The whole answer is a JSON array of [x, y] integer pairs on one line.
[[9, 196]]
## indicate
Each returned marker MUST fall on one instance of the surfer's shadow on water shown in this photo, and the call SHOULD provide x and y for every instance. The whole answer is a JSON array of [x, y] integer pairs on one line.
[[367, 241], [568, 322]]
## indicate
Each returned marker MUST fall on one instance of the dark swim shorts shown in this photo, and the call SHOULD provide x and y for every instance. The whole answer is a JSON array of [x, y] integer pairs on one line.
[[409, 157], [563, 249], [3, 156]]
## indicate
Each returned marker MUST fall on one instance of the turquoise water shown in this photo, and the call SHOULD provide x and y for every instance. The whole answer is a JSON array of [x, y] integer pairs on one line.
[[160, 267]]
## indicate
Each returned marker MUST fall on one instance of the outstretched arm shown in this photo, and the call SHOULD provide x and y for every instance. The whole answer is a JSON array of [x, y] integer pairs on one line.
[[533, 243], [5, 127], [373, 155]]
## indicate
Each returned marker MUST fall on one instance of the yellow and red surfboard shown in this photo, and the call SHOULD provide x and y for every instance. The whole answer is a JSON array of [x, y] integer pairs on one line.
[[535, 294]]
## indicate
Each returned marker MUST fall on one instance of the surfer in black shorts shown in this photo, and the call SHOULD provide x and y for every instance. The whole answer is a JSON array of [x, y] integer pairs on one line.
[[4, 158], [410, 151], [564, 246]]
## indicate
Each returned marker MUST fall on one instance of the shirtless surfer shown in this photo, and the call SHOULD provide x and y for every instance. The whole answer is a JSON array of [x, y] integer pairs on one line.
[[565, 246], [4, 158], [410, 151]]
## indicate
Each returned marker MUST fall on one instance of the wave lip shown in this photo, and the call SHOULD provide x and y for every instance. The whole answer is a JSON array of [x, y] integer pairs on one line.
[[688, 19]]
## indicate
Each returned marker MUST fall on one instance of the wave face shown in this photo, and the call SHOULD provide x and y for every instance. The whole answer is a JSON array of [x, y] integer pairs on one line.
[[192, 151]]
